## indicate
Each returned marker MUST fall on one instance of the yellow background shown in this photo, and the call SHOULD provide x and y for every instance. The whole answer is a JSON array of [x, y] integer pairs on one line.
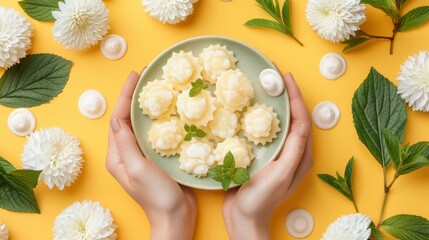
[[146, 39]]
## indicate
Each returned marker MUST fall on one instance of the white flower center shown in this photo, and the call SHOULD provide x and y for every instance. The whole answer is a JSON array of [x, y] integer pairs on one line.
[[81, 19]]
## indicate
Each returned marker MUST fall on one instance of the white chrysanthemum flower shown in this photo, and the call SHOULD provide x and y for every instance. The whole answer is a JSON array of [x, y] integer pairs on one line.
[[56, 153], [349, 227], [80, 23], [414, 81], [86, 220], [4, 232], [335, 20], [15, 33], [170, 11]]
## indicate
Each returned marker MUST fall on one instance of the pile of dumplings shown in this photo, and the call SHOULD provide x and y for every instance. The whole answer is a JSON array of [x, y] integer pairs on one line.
[[221, 116]]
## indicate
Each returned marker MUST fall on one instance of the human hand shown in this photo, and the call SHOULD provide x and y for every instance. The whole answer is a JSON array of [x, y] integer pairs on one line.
[[247, 210], [170, 208]]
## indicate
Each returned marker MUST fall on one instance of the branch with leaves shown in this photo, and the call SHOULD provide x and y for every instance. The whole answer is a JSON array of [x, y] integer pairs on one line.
[[281, 16], [401, 23], [379, 120]]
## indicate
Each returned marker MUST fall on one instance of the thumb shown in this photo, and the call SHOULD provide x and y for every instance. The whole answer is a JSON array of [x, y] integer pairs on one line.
[[126, 145]]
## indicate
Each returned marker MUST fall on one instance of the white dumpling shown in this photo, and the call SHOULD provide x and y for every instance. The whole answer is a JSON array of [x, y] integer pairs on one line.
[[196, 110], [216, 59], [196, 157], [158, 99], [260, 124], [182, 69], [224, 124], [233, 90], [166, 136], [239, 148]]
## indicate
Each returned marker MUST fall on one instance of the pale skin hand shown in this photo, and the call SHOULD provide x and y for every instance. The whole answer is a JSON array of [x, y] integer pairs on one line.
[[247, 210], [170, 208]]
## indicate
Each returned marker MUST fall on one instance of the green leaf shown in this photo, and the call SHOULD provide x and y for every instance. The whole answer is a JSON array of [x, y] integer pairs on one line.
[[376, 106], [271, 8], [187, 128], [407, 227], [6, 166], [348, 175], [16, 196], [226, 183], [265, 23], [387, 6], [377, 234], [333, 182], [193, 128], [286, 18], [241, 175], [400, 3], [216, 173], [197, 87], [29, 177], [36, 80], [188, 137], [200, 133], [40, 10], [413, 19], [229, 161], [393, 147], [353, 43]]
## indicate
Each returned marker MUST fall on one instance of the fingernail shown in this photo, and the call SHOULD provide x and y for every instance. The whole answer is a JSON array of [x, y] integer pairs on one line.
[[115, 125], [303, 130]]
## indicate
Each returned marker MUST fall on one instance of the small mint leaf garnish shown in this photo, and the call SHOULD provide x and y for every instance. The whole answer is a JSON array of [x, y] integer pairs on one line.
[[227, 173], [193, 131], [197, 87]]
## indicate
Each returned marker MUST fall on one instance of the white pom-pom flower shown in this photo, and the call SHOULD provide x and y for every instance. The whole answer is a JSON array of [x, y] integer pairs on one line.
[[169, 11], [56, 153], [80, 23], [349, 227], [335, 20], [15, 33], [4, 232], [86, 220], [414, 81]]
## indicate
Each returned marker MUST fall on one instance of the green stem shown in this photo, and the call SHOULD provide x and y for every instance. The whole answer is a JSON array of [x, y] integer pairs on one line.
[[355, 205], [386, 194], [299, 42], [380, 37], [392, 40]]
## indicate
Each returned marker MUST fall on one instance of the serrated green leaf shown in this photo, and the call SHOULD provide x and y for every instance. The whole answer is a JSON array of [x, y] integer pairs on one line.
[[226, 183], [413, 19], [376, 234], [16, 196], [333, 182], [265, 23], [286, 17], [407, 227], [376, 106], [229, 161], [387, 6], [40, 10], [393, 148], [6, 166], [348, 175], [36, 80], [29, 177], [412, 164], [241, 175], [188, 137], [216, 173], [353, 43]]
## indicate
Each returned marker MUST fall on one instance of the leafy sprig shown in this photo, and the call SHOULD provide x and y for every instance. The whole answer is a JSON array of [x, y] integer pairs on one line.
[[197, 87], [379, 120], [401, 23], [227, 173], [281, 16], [16, 188], [40, 10], [193, 131]]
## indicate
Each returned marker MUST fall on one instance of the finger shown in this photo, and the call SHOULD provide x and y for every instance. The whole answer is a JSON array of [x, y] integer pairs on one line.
[[127, 148], [114, 163], [297, 105], [122, 108]]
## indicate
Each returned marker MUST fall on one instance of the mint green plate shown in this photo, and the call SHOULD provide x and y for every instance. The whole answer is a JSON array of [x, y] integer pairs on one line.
[[251, 62]]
